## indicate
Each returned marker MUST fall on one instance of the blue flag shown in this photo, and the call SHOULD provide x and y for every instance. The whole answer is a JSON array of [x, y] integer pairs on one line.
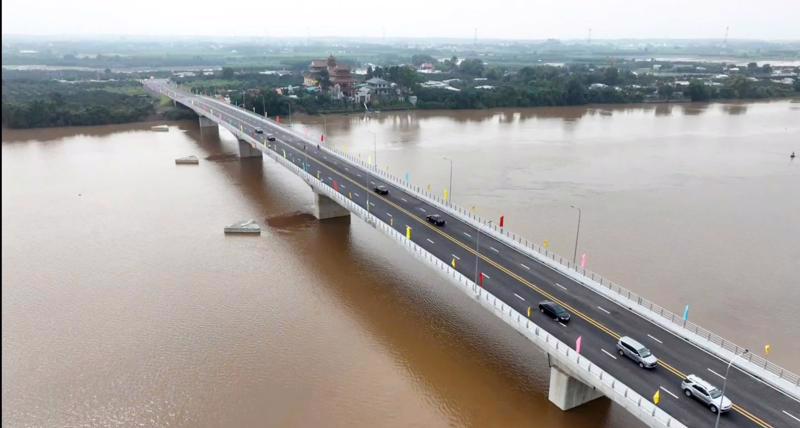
[[686, 313], [407, 177]]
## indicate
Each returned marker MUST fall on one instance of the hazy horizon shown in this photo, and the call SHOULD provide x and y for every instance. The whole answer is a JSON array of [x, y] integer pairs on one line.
[[768, 20]]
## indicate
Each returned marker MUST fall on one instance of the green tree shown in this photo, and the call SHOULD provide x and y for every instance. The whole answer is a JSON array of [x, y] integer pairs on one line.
[[698, 91], [227, 73], [665, 91], [611, 76], [471, 67], [324, 80], [420, 59], [575, 92]]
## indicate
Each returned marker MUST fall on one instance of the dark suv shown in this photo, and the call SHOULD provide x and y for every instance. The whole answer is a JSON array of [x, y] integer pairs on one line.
[[259, 131], [554, 311], [381, 190], [435, 219], [270, 137]]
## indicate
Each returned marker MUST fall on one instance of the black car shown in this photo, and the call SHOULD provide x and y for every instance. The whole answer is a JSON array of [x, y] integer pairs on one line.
[[381, 190], [259, 131], [554, 311], [270, 138], [435, 219]]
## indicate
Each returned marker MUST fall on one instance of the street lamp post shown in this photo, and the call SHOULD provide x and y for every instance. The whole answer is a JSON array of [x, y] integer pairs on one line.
[[375, 149], [724, 383], [577, 233], [450, 187], [478, 251]]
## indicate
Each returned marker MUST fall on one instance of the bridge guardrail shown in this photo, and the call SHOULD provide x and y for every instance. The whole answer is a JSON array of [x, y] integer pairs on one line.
[[754, 364]]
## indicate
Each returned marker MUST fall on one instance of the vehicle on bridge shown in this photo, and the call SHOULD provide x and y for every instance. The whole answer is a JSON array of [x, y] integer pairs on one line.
[[694, 386], [435, 219], [554, 311], [637, 352], [270, 137], [381, 189], [259, 131]]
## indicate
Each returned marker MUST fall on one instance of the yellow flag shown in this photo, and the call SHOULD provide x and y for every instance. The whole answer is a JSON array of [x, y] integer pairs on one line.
[[453, 263], [445, 194], [429, 188], [529, 311], [546, 243], [350, 195], [408, 232], [767, 348], [657, 397], [369, 159]]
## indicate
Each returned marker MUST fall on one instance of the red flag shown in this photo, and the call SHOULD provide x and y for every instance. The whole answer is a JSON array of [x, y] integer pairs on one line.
[[278, 119], [578, 344], [335, 185], [322, 137], [502, 217], [482, 276]]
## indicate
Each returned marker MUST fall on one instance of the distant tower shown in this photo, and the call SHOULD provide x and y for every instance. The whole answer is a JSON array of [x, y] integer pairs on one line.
[[725, 42]]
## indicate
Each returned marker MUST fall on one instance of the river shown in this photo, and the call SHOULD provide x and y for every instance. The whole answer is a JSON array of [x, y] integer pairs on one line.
[[124, 303]]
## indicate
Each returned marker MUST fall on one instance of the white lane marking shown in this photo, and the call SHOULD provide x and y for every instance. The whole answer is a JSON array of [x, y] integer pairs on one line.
[[668, 392], [654, 339], [487, 276], [330, 178], [465, 233], [388, 214], [494, 249], [562, 324], [355, 194], [526, 267], [608, 353], [712, 371], [358, 175], [422, 209], [562, 287], [371, 203], [346, 169], [519, 297], [403, 199], [456, 257], [342, 186], [429, 241], [607, 312], [371, 182], [790, 415]]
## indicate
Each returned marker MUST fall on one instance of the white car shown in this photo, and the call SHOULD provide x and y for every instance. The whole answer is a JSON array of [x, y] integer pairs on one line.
[[694, 386]]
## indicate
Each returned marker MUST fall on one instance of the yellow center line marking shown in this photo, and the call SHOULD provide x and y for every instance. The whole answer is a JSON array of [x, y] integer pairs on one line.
[[530, 285]]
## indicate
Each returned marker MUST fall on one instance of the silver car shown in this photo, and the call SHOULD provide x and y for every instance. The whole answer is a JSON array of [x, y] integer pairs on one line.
[[637, 352], [694, 386]]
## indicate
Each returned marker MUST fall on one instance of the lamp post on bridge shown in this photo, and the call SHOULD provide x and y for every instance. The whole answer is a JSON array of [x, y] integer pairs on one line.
[[724, 383], [450, 186], [375, 149], [577, 233], [478, 251]]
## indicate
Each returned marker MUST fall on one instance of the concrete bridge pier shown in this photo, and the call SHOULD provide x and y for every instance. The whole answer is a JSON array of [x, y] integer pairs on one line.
[[568, 392], [326, 208], [248, 151], [206, 122]]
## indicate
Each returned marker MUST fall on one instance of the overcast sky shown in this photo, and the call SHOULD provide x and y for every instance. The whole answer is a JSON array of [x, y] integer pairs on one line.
[[510, 19]]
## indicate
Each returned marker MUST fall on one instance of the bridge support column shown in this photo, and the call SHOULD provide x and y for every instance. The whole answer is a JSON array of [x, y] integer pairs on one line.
[[248, 151], [206, 122], [326, 208], [567, 392]]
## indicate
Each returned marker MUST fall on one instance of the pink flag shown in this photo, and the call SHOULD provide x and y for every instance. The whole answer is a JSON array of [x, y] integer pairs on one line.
[[578, 344], [583, 261]]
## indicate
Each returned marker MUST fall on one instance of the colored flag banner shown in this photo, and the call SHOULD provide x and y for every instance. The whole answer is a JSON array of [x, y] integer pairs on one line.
[[578, 343], [322, 138], [502, 220], [686, 313], [767, 348], [335, 186], [546, 243], [408, 232], [453, 263], [657, 397], [429, 188], [408, 177], [446, 195], [529, 311], [482, 278], [278, 119], [583, 261]]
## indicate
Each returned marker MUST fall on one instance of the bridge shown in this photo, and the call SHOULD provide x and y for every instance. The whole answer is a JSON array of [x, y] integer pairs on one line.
[[509, 277]]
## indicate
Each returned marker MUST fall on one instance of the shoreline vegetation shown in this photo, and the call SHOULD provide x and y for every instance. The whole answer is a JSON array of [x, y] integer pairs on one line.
[[385, 78]]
